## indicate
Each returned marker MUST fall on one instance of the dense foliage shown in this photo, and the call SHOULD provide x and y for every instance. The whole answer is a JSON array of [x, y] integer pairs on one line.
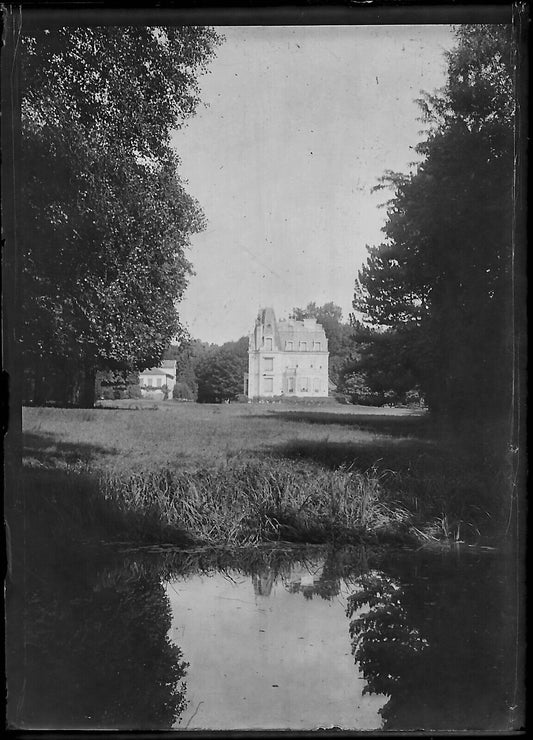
[[441, 280], [380, 369], [188, 354], [396, 646], [220, 372], [91, 647], [105, 220], [114, 385]]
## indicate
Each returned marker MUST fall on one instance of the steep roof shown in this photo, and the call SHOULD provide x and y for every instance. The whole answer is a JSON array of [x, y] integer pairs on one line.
[[291, 330], [298, 331], [267, 318]]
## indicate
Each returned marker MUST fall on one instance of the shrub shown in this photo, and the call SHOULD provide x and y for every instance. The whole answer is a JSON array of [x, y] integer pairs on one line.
[[134, 391], [182, 392], [413, 398]]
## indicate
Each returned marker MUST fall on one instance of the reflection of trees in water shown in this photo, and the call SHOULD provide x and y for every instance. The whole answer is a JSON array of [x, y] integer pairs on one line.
[[93, 652], [337, 566], [264, 565], [383, 642], [433, 634], [325, 584], [441, 645]]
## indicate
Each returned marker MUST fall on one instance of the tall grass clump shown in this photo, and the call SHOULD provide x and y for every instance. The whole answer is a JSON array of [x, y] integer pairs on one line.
[[245, 503], [249, 501], [234, 504], [452, 496]]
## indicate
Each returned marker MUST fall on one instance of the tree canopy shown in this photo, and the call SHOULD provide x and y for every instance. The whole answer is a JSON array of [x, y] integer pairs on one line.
[[220, 372], [380, 368], [442, 276], [105, 218]]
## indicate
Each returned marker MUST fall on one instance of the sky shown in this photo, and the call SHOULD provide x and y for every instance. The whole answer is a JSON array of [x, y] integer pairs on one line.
[[296, 126]]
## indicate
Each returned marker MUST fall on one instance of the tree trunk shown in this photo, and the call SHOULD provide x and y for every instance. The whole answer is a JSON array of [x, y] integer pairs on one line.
[[39, 387], [87, 388], [64, 385]]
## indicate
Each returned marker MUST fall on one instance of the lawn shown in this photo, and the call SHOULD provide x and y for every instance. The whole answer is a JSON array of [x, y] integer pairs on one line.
[[127, 436]]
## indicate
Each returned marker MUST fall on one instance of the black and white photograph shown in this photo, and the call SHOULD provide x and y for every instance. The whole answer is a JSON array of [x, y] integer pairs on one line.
[[263, 361]]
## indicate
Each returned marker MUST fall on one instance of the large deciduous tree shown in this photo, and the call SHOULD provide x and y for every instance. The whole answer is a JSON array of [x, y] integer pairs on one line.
[[442, 276], [105, 220]]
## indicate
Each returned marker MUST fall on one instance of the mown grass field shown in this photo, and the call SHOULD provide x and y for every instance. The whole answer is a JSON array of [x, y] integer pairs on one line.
[[242, 474], [136, 436]]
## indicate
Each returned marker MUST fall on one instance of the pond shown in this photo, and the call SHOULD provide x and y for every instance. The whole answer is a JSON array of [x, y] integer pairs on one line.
[[274, 639]]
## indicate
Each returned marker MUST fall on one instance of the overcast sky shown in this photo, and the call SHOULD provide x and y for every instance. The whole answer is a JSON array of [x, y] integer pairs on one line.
[[300, 124]]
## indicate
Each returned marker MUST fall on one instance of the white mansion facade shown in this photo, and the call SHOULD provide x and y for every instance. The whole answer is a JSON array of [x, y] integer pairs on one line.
[[286, 358]]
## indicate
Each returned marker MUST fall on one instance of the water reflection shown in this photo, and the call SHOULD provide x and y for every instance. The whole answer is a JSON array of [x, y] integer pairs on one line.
[[384, 643], [271, 640], [264, 653], [440, 640], [89, 648], [323, 582], [432, 634]]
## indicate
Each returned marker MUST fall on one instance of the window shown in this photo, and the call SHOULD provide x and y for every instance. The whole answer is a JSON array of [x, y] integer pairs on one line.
[[268, 343], [269, 385], [289, 346], [303, 346], [158, 382], [290, 385], [148, 381], [316, 385], [269, 364], [304, 384], [316, 346]]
